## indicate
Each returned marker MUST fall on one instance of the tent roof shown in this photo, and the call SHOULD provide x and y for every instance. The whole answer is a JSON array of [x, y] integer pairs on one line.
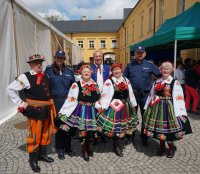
[[184, 27], [43, 21]]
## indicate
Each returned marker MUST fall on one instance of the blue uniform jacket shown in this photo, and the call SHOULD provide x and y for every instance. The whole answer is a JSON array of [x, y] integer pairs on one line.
[[106, 72], [60, 84], [140, 75]]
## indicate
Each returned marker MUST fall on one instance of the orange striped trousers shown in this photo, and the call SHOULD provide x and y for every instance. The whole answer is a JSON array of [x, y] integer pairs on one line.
[[39, 133]]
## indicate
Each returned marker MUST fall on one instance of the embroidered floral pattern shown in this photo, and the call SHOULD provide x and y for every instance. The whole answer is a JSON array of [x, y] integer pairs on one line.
[[20, 82], [108, 84], [159, 86], [87, 89], [179, 97], [74, 86], [121, 86]]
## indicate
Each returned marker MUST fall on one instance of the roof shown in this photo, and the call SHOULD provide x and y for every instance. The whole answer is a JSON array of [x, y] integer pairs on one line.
[[88, 26], [127, 11], [184, 27]]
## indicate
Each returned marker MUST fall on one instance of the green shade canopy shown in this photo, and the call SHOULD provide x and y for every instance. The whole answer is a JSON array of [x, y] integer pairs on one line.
[[185, 28]]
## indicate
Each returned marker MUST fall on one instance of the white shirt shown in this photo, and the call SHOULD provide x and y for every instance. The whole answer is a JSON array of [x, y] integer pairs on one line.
[[18, 84], [100, 77], [180, 75], [72, 99], [108, 92], [177, 95]]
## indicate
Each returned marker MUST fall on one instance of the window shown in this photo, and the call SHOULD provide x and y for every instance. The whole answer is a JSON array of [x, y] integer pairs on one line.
[[161, 11], [80, 43], [150, 18], [133, 32], [103, 44], [91, 43], [142, 25], [180, 6], [127, 36], [114, 44]]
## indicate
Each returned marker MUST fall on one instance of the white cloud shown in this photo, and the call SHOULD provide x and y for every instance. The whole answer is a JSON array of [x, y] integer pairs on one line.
[[54, 12], [107, 9]]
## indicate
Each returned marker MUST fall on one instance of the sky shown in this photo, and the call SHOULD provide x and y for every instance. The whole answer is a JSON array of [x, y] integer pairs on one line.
[[75, 9]]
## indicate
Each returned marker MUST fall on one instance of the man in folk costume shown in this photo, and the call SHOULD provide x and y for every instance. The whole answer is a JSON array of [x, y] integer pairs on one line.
[[100, 74], [38, 107]]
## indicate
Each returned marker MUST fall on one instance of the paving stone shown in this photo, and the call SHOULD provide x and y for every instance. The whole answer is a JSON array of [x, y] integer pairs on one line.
[[137, 159]]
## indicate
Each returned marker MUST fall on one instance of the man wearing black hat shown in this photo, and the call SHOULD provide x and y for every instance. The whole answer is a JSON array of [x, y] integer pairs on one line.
[[139, 72], [38, 107], [61, 79]]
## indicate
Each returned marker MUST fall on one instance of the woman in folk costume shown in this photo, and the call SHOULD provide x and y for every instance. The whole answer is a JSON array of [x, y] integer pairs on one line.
[[117, 116], [165, 117], [79, 111]]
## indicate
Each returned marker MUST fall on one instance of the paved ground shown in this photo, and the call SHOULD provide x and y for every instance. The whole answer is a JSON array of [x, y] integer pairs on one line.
[[137, 159]]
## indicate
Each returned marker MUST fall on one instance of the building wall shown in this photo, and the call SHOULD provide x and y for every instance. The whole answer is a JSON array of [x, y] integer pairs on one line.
[[140, 25], [97, 37]]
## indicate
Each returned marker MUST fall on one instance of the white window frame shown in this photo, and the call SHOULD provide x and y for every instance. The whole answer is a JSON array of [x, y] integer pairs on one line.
[[103, 43], [91, 44], [80, 43], [114, 44]]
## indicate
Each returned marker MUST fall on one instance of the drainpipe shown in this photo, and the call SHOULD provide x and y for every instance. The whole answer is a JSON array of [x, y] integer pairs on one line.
[[154, 20], [125, 40]]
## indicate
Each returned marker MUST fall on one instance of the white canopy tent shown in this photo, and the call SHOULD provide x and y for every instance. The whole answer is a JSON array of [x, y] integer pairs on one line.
[[23, 33]]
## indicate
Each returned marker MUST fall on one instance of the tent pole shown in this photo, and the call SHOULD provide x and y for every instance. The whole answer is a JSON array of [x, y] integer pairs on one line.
[[175, 53], [15, 38]]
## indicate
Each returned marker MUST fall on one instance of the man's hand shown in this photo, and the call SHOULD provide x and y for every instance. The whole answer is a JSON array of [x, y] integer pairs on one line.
[[25, 105]]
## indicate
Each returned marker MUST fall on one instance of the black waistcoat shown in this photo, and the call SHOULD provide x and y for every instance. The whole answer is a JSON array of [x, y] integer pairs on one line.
[[87, 98], [119, 94], [161, 92], [37, 92]]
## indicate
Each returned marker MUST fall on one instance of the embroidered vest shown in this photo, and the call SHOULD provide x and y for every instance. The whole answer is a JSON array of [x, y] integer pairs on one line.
[[120, 94], [88, 96], [37, 92]]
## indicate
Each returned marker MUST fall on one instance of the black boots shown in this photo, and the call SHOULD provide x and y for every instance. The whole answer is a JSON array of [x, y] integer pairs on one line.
[[161, 151], [85, 152], [39, 155], [61, 154], [33, 160], [43, 155], [116, 148], [90, 152], [171, 151]]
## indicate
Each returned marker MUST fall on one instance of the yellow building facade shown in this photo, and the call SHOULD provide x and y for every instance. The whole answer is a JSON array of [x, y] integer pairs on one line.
[[89, 42], [138, 24], [144, 21]]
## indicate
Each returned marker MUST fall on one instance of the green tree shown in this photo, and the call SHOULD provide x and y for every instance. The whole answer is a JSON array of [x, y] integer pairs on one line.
[[53, 17]]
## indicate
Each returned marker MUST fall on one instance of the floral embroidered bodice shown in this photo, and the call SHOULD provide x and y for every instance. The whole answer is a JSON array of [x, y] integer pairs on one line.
[[163, 89], [120, 90], [88, 93]]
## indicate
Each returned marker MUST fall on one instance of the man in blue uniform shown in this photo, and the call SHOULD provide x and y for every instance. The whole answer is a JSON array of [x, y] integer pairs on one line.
[[61, 79], [140, 72]]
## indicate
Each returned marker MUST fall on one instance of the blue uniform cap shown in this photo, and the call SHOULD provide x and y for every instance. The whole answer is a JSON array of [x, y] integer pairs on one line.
[[60, 53], [140, 48]]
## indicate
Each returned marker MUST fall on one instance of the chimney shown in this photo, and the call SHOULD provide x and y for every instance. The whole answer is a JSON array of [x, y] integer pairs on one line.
[[84, 18]]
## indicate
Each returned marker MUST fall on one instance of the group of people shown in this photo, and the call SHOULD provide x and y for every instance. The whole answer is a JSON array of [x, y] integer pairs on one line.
[[189, 77], [104, 100]]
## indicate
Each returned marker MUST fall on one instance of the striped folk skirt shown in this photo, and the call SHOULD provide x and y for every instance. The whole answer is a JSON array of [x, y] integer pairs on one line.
[[161, 123], [83, 118], [118, 123]]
